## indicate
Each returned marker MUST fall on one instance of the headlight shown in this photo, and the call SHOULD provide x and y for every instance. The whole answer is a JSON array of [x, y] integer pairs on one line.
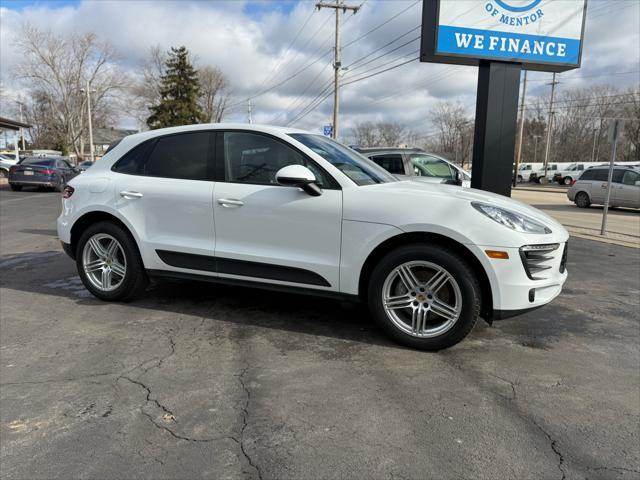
[[513, 220]]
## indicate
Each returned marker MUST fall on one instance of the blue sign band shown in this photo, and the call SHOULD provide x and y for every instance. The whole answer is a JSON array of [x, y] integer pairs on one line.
[[506, 45]]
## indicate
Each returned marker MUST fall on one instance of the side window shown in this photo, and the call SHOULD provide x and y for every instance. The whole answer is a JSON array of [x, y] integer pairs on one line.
[[181, 156], [428, 166], [617, 175], [255, 158], [588, 175], [630, 178], [601, 175], [392, 163]]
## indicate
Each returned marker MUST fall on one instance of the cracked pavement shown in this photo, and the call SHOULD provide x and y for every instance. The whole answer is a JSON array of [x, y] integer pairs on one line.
[[205, 381]]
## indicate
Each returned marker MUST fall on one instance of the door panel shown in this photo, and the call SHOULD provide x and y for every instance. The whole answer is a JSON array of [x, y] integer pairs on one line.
[[171, 214], [274, 227], [627, 193]]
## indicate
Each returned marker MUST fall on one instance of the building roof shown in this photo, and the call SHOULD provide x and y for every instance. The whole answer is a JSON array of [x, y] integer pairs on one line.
[[12, 124], [105, 136]]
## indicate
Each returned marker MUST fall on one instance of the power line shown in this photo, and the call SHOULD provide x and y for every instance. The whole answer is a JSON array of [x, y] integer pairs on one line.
[[383, 46], [381, 25]]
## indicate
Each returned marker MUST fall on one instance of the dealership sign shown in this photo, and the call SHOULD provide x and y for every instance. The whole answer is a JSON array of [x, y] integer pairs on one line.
[[543, 34]]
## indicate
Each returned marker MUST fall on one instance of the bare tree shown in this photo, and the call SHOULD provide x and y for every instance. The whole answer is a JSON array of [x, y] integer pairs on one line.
[[391, 134], [57, 67], [454, 138], [366, 134], [146, 90], [214, 93]]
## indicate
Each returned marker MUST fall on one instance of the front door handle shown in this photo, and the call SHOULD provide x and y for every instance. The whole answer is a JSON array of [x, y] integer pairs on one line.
[[130, 195], [230, 202]]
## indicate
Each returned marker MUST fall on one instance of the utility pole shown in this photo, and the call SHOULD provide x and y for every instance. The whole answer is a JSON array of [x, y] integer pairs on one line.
[[88, 92], [21, 130], [249, 110], [549, 125], [339, 5], [535, 148], [519, 154]]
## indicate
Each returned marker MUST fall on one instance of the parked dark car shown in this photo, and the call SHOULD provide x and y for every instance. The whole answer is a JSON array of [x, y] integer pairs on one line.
[[41, 172], [84, 165]]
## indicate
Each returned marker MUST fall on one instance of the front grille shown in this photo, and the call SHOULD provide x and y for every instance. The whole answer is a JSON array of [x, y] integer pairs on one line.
[[536, 259]]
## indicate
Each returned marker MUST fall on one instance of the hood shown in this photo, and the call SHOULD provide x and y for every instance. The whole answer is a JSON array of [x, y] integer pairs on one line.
[[433, 191]]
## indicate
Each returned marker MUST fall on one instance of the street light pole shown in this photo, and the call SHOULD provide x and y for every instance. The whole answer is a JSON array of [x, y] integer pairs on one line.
[[549, 125], [535, 148]]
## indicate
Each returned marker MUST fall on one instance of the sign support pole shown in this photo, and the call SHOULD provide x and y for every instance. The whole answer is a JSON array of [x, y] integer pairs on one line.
[[613, 135], [495, 129]]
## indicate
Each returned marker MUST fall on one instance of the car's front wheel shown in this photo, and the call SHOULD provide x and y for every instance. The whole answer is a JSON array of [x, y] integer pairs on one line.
[[424, 296], [109, 262]]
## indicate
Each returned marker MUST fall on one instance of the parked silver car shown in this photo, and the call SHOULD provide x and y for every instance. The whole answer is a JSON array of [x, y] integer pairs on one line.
[[413, 162], [591, 187]]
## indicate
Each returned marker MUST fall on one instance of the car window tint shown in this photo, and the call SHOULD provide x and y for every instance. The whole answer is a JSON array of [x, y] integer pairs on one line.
[[630, 178], [181, 156], [428, 166], [255, 158], [392, 163], [133, 162]]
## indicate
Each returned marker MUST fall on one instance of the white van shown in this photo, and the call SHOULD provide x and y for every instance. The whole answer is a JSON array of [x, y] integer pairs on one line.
[[525, 170]]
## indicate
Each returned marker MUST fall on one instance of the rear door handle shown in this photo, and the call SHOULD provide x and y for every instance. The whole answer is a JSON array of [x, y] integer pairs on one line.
[[230, 202], [130, 195]]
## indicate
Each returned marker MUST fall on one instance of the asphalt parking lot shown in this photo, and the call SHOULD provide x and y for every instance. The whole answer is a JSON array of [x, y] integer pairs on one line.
[[202, 381]]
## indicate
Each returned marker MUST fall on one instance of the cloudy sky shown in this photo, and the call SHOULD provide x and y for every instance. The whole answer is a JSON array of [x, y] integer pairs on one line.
[[260, 45]]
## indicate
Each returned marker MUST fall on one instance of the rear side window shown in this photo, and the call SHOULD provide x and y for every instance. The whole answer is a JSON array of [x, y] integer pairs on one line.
[[630, 178], [46, 162], [183, 156], [617, 175], [180, 156], [598, 175], [391, 163]]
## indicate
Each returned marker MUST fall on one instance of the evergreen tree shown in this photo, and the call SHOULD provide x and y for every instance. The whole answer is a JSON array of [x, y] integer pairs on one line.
[[179, 89]]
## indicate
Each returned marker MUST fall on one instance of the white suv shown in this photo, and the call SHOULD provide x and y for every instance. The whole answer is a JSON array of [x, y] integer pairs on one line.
[[287, 209]]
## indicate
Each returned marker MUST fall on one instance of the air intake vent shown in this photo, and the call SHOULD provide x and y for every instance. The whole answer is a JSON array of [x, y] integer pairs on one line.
[[536, 259]]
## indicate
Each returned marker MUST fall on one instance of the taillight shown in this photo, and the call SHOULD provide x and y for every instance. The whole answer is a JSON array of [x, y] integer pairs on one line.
[[13, 168], [48, 171], [68, 191], [573, 182]]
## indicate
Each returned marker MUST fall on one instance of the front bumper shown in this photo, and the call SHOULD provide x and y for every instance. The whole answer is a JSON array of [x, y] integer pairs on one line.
[[512, 290]]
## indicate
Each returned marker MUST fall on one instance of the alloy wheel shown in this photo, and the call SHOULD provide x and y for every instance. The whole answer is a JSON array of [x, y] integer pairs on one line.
[[422, 299], [104, 262]]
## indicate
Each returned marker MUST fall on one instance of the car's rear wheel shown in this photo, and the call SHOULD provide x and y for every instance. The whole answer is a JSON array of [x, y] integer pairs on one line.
[[4, 173], [424, 296], [109, 262], [567, 180], [582, 200], [15, 188]]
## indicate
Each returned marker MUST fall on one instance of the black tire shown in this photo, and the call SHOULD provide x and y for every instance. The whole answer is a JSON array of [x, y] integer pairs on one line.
[[450, 261], [520, 179], [567, 180], [135, 279], [582, 200], [4, 173], [15, 188]]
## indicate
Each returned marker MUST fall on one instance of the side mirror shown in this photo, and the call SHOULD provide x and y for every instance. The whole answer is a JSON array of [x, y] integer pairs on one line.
[[299, 176]]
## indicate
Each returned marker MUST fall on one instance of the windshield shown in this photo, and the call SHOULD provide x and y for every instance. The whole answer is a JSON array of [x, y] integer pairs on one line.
[[359, 169]]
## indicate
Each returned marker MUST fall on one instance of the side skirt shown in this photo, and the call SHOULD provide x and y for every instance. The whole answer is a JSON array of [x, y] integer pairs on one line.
[[255, 284]]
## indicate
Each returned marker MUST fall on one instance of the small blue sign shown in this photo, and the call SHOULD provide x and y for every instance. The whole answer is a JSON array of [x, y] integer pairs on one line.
[[327, 130]]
